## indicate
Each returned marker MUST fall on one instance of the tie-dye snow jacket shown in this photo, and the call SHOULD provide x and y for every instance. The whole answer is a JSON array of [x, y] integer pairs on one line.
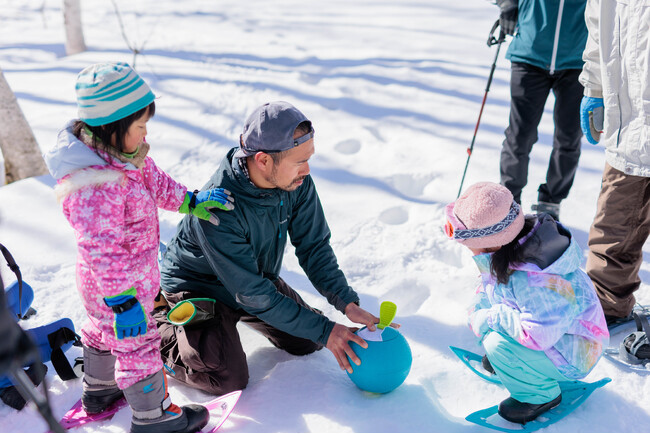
[[549, 304]]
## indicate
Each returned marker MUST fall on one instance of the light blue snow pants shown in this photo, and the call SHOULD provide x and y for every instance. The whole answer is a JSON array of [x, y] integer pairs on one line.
[[529, 375]]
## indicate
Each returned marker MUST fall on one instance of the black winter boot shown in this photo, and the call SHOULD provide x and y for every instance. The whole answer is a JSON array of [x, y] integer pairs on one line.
[[552, 209], [487, 365], [99, 387], [153, 410], [522, 412]]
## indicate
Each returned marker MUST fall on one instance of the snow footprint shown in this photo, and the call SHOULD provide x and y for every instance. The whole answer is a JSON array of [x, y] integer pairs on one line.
[[348, 147], [411, 185], [409, 295], [394, 216]]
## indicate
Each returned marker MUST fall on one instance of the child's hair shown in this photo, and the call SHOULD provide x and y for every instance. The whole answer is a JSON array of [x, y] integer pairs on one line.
[[510, 254], [112, 134]]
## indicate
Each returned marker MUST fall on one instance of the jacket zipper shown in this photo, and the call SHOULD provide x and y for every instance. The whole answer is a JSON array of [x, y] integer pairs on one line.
[[556, 40]]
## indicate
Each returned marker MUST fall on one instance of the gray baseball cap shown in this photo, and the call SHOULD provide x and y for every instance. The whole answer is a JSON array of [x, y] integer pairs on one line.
[[270, 129]]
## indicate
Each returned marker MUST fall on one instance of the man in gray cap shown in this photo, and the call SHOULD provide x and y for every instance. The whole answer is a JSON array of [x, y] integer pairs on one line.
[[215, 276]]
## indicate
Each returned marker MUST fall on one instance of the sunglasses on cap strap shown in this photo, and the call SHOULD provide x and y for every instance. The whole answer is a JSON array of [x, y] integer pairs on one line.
[[456, 230]]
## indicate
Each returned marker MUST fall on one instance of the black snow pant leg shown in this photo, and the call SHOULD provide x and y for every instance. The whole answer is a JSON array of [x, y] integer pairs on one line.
[[529, 89], [563, 163]]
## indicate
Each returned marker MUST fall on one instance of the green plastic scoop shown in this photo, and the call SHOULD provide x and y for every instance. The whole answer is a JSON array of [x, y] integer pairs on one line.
[[386, 314]]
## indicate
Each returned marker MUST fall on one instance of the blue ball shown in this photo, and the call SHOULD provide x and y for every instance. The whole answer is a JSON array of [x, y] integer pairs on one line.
[[384, 365]]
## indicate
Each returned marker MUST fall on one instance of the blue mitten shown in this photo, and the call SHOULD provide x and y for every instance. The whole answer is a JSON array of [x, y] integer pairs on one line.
[[130, 319], [592, 112], [199, 203], [478, 322]]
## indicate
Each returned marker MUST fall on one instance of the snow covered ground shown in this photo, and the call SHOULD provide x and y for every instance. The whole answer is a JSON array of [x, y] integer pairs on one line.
[[394, 90]]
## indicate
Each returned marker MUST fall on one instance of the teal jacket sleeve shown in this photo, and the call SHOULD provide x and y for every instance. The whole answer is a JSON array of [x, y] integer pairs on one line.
[[231, 258], [310, 235]]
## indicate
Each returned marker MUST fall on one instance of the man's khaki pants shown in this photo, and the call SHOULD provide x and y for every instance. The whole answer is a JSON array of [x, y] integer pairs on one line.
[[616, 239]]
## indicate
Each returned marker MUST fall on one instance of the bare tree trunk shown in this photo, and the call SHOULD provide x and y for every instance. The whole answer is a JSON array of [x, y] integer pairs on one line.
[[21, 152], [74, 34]]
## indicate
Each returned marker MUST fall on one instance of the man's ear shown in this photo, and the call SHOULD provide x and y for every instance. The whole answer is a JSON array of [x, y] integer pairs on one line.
[[263, 161]]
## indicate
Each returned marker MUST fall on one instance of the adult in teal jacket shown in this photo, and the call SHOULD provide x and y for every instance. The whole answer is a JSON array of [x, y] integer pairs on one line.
[[234, 268], [546, 54]]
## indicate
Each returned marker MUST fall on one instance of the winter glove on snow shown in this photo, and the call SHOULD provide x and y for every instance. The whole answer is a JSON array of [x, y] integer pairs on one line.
[[478, 322], [508, 17], [130, 319], [200, 203], [592, 113]]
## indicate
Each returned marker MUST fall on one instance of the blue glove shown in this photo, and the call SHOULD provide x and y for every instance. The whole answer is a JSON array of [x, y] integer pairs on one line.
[[478, 322], [199, 203], [592, 114], [130, 320]]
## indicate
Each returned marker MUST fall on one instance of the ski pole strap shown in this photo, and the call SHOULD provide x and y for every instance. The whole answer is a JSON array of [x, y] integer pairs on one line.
[[11, 262], [491, 39], [60, 362]]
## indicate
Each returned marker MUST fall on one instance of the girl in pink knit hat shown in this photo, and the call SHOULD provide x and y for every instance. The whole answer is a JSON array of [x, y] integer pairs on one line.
[[535, 312]]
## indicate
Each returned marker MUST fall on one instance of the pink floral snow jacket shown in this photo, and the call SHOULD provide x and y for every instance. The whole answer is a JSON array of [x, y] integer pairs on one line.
[[113, 209]]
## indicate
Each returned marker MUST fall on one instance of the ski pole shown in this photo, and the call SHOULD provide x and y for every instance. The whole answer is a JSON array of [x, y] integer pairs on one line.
[[28, 391], [491, 41]]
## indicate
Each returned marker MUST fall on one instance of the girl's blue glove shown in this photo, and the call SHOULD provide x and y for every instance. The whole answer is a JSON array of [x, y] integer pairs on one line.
[[130, 319], [199, 203], [592, 116]]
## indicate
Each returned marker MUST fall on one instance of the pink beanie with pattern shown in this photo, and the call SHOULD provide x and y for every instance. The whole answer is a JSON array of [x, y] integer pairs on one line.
[[484, 216]]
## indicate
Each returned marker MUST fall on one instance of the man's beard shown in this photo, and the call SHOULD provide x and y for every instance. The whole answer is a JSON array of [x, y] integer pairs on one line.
[[272, 179]]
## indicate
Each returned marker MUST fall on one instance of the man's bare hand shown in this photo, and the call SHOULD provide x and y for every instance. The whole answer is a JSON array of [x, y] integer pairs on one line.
[[338, 344], [361, 316]]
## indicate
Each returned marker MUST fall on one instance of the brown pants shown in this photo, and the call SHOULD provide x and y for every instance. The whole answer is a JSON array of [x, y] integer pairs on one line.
[[616, 238], [209, 356]]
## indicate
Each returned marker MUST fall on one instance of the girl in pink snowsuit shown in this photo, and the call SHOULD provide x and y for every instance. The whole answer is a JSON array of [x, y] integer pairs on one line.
[[111, 191]]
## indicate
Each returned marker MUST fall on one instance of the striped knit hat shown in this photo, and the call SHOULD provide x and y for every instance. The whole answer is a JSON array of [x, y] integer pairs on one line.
[[108, 92]]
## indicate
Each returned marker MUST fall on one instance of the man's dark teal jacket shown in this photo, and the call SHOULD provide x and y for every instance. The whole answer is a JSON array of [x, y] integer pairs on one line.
[[552, 34], [237, 261]]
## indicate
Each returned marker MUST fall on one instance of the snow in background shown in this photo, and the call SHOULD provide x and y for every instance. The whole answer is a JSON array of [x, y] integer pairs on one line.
[[394, 89]]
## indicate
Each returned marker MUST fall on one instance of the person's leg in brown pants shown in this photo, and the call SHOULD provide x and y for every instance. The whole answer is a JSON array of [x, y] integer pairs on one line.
[[207, 356], [616, 239], [289, 343], [210, 356]]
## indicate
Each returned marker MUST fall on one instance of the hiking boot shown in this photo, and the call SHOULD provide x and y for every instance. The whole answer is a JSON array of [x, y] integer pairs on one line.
[[521, 412], [99, 387], [487, 365], [153, 410], [613, 320], [552, 209]]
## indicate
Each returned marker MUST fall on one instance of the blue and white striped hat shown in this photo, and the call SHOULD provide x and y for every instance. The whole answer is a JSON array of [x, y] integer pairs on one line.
[[108, 92]]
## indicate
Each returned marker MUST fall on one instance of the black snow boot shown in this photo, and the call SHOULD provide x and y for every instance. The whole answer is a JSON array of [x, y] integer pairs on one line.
[[99, 387], [153, 410], [522, 412], [12, 397], [552, 209], [487, 365]]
